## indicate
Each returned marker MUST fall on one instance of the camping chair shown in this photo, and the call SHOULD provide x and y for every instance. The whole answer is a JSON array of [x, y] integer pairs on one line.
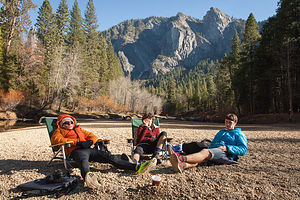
[[135, 123], [59, 149]]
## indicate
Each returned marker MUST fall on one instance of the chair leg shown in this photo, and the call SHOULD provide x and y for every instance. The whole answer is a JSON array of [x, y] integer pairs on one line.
[[64, 157], [54, 156]]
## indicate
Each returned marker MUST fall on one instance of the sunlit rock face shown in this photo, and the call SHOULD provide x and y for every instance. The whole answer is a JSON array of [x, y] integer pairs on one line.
[[155, 45]]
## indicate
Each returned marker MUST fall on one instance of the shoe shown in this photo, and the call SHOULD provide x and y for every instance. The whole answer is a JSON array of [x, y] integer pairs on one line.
[[175, 159], [147, 166], [124, 156], [91, 181]]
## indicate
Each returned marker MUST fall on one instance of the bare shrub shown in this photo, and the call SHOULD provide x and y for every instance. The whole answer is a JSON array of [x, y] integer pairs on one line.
[[133, 96], [10, 99]]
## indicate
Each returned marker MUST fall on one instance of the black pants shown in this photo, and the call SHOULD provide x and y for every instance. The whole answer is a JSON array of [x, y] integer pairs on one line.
[[83, 156], [148, 147]]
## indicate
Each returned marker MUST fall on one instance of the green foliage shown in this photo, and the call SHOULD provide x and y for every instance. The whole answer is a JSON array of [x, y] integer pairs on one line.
[[62, 20], [76, 33]]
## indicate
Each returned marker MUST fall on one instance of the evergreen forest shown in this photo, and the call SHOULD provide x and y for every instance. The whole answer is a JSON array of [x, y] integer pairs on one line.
[[63, 63]]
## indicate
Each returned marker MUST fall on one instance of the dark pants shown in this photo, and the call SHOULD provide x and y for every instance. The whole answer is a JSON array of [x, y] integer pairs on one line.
[[148, 147], [83, 156]]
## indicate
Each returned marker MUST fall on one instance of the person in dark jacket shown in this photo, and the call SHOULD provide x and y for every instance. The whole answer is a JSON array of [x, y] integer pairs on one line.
[[149, 139], [69, 131], [225, 148]]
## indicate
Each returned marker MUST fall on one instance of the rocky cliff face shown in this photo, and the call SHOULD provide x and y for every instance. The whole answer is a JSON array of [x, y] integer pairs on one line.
[[152, 46]]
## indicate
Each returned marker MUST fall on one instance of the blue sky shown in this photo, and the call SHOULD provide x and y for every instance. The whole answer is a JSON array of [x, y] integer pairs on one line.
[[113, 12]]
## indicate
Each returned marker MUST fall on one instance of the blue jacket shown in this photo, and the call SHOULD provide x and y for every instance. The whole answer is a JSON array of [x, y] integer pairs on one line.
[[235, 141]]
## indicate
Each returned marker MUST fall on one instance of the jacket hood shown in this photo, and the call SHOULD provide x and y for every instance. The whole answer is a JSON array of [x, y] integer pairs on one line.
[[61, 117]]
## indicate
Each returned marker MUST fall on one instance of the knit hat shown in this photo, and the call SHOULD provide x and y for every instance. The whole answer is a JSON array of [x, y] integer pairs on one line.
[[66, 119]]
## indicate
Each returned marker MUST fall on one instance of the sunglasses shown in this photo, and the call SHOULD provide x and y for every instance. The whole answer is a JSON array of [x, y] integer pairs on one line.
[[68, 122]]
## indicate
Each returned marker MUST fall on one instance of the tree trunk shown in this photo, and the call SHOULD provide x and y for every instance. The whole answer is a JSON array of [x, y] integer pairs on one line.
[[289, 84]]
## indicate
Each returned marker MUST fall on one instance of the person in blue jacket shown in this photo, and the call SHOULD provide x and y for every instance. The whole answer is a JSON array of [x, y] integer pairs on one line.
[[225, 148]]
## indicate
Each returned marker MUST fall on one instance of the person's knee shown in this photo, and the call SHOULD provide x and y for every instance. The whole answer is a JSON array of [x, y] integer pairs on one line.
[[207, 153], [139, 150], [164, 134]]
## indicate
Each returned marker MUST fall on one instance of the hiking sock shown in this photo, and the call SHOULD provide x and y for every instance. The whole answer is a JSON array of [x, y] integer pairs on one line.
[[158, 149]]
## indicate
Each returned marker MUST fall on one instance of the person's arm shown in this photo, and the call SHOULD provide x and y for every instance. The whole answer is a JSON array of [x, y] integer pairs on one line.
[[142, 130], [217, 142], [89, 135], [240, 148], [58, 137]]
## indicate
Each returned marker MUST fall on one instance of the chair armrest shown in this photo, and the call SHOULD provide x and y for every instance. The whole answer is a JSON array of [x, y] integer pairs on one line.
[[60, 144], [105, 141], [130, 140]]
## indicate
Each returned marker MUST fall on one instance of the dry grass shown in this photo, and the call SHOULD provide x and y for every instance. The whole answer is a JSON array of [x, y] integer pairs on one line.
[[270, 169]]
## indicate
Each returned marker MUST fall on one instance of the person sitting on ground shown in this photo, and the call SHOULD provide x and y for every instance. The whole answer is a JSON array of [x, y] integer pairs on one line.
[[69, 131], [225, 148], [149, 139]]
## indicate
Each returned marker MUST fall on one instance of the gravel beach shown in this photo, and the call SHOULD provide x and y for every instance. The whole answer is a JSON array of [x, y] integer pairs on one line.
[[270, 169]]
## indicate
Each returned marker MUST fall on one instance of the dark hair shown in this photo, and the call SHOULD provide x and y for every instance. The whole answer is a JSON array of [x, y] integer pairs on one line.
[[145, 116], [232, 117]]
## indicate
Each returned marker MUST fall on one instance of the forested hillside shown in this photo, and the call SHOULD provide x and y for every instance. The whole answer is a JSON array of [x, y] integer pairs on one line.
[[64, 63]]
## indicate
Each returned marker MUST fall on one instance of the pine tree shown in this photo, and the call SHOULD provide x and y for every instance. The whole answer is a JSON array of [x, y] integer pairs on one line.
[[103, 62], [76, 34], [47, 30], [114, 65], [244, 80], [63, 21], [288, 29], [92, 64], [3, 73]]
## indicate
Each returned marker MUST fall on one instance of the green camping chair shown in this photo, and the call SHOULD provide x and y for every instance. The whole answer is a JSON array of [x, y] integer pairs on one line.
[[135, 123], [59, 149]]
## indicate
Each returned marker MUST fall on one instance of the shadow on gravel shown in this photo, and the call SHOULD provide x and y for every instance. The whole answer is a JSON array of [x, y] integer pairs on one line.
[[276, 140], [8, 166]]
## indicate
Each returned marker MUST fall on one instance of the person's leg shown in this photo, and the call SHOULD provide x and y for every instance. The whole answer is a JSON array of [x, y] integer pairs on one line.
[[179, 162], [139, 150], [161, 139], [106, 157], [81, 156], [198, 157]]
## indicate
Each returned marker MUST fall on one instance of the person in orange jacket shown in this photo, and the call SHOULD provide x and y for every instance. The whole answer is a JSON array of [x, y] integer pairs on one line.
[[69, 131]]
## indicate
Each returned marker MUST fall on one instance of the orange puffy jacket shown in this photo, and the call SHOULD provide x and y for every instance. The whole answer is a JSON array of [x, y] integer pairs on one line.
[[62, 135]]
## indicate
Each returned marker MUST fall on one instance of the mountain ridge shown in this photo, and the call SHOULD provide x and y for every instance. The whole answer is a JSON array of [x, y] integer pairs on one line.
[[156, 45]]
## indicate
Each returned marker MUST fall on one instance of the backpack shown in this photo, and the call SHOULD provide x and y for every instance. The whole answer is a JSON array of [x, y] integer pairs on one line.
[[194, 147], [55, 184]]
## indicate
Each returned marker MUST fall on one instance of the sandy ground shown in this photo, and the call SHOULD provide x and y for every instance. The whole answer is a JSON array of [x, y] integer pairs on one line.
[[270, 169]]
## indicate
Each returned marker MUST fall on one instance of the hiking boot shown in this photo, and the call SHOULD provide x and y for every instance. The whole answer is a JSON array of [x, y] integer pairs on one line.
[[175, 159], [124, 156], [147, 166], [91, 181]]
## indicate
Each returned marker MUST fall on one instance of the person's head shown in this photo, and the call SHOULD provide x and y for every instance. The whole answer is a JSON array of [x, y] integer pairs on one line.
[[66, 121], [147, 119], [230, 121]]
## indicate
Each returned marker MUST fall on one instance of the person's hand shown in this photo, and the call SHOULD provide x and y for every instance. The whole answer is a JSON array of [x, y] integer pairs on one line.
[[85, 144], [223, 148], [152, 139], [146, 122]]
